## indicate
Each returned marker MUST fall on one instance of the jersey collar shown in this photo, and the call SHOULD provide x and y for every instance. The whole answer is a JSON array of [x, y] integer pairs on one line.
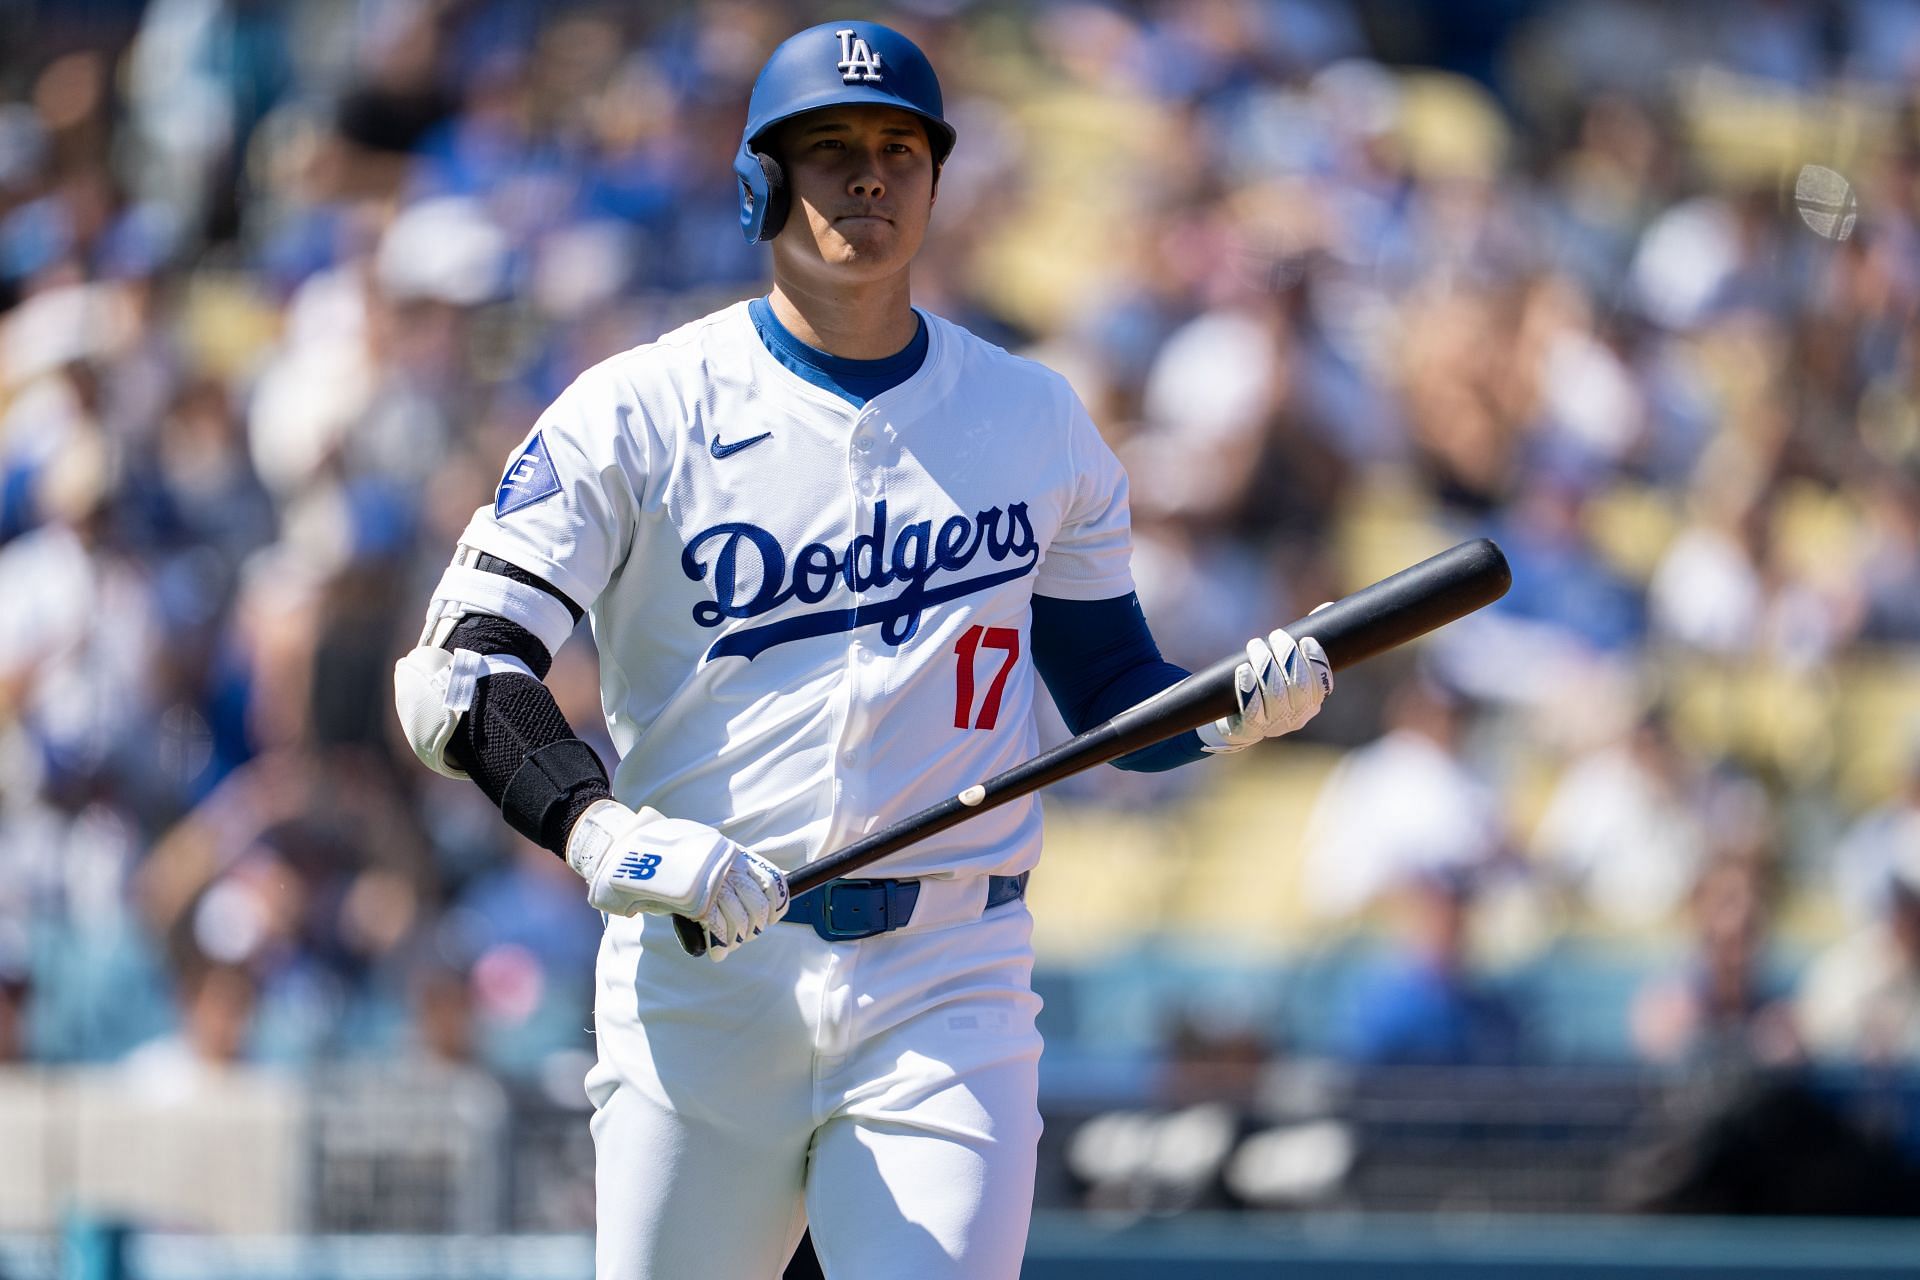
[[926, 384]]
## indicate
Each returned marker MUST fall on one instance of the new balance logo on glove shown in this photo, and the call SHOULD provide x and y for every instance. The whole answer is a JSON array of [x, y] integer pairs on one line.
[[638, 866]]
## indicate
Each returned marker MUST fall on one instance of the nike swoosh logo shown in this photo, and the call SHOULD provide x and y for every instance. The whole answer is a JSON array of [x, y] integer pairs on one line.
[[719, 450]]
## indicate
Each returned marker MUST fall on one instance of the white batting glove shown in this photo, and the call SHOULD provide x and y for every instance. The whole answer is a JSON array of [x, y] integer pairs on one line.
[[752, 896], [636, 861], [1280, 686]]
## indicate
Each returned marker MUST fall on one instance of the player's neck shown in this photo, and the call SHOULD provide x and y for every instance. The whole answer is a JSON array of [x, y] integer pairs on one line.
[[867, 322]]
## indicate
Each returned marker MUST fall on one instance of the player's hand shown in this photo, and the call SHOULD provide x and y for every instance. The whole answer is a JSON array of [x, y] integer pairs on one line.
[[636, 861], [752, 896], [1280, 686]]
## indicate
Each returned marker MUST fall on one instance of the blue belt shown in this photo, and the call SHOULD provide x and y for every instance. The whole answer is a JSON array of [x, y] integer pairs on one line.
[[848, 910]]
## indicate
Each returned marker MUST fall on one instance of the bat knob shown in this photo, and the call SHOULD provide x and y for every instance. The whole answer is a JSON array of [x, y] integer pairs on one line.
[[693, 938]]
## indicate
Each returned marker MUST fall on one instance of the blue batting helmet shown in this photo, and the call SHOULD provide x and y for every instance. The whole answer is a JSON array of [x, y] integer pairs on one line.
[[830, 65]]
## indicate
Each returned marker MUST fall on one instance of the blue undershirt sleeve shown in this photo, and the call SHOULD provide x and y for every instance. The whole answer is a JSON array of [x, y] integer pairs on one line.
[[1097, 659]]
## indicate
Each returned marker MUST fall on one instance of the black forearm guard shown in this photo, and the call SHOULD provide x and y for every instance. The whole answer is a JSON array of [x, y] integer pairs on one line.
[[522, 752], [514, 742]]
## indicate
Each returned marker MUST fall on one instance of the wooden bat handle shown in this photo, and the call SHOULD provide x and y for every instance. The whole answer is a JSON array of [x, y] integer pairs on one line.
[[1389, 613]]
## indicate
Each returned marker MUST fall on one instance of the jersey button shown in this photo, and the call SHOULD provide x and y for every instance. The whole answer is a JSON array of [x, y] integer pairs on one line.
[[864, 444]]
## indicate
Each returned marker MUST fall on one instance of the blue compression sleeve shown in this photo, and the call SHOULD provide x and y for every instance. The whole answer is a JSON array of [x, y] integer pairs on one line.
[[1098, 658]]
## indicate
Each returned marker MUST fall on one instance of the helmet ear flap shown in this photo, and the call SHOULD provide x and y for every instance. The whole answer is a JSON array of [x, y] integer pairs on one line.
[[775, 202], [763, 194]]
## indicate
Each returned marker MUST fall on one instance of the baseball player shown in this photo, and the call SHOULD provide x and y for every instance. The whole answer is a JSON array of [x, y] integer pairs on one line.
[[829, 545]]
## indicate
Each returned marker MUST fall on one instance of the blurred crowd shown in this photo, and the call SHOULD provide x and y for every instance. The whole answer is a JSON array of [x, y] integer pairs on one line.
[[1630, 287]]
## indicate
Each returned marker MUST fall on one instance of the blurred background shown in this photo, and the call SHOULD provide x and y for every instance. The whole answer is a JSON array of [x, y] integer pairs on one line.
[[1586, 934]]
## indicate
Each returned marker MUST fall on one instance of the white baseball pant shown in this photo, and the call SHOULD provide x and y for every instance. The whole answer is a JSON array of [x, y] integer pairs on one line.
[[882, 1091]]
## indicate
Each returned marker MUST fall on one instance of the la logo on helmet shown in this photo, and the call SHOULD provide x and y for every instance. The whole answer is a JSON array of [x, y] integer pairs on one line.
[[857, 61]]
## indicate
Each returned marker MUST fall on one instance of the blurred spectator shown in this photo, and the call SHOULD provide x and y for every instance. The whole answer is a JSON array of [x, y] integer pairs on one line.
[[1726, 1007], [1423, 1004], [1563, 584], [441, 1029], [1405, 806], [1213, 1059], [16, 992], [1890, 564], [1866, 858], [529, 932], [1860, 1000], [75, 686], [305, 869], [1624, 826], [216, 1009]]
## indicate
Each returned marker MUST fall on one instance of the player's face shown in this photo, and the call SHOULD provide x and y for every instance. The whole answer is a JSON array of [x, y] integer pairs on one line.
[[861, 181]]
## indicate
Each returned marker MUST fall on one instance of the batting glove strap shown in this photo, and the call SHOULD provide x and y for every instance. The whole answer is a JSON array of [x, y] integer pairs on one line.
[[1280, 687], [642, 860]]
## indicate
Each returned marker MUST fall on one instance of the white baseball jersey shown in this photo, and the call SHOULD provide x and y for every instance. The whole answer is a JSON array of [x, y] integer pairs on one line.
[[812, 617]]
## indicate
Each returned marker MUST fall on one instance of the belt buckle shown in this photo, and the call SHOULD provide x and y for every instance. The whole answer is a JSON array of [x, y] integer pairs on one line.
[[832, 932]]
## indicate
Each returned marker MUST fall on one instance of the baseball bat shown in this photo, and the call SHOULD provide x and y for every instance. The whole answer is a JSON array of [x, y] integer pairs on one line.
[[1391, 612]]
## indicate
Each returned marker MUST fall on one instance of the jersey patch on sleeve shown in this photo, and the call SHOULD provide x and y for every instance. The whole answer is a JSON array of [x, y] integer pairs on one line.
[[530, 477]]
